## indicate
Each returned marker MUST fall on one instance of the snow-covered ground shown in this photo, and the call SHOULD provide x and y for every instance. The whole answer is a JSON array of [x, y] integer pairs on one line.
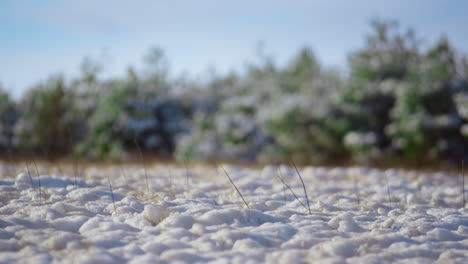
[[196, 215]]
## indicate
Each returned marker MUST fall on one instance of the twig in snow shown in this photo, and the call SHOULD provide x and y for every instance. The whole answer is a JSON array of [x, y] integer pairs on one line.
[[289, 187], [303, 185], [235, 187]]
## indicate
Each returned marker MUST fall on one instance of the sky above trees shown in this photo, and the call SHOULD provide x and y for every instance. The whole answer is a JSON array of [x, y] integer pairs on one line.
[[43, 37]]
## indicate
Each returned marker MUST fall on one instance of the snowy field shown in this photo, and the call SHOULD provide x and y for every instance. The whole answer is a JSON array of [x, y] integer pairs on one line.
[[167, 214]]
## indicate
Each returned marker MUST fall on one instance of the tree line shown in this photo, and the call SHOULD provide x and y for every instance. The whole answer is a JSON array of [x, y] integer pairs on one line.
[[397, 103]]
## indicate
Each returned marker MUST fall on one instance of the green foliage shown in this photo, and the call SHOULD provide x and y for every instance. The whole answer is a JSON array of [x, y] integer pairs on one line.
[[8, 118], [103, 137], [426, 125], [388, 54], [45, 119]]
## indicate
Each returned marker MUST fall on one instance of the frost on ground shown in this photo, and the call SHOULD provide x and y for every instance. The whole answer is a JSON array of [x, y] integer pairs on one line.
[[168, 214]]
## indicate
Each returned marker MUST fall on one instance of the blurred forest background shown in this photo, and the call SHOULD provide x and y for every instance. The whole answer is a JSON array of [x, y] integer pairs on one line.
[[397, 103]]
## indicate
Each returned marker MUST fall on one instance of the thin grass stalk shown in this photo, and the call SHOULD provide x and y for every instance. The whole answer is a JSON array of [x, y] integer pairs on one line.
[[186, 174], [356, 190], [235, 187], [29, 176], [143, 164], [279, 175], [463, 184], [123, 173], [170, 173], [75, 170], [284, 193], [74, 159], [388, 189], [112, 193], [38, 181], [12, 158], [303, 186]]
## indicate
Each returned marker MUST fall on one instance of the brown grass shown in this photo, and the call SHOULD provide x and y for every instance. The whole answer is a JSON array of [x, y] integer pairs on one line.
[[279, 175], [112, 193], [235, 187], [303, 186]]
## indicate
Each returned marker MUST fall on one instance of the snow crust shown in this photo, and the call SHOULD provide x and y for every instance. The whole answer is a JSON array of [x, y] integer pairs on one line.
[[195, 215]]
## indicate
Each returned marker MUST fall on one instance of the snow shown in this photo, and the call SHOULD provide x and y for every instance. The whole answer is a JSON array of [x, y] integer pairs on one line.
[[154, 213], [355, 217]]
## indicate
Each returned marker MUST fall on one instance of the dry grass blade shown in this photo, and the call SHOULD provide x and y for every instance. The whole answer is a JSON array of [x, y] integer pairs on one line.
[[123, 173], [38, 181], [169, 171], [289, 187], [303, 186], [144, 166], [112, 193], [356, 190], [29, 176], [284, 193], [12, 158], [235, 187], [75, 171], [388, 189], [186, 174], [74, 159], [463, 185]]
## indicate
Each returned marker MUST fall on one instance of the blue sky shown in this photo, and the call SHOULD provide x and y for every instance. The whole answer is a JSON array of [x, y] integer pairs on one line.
[[44, 37]]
